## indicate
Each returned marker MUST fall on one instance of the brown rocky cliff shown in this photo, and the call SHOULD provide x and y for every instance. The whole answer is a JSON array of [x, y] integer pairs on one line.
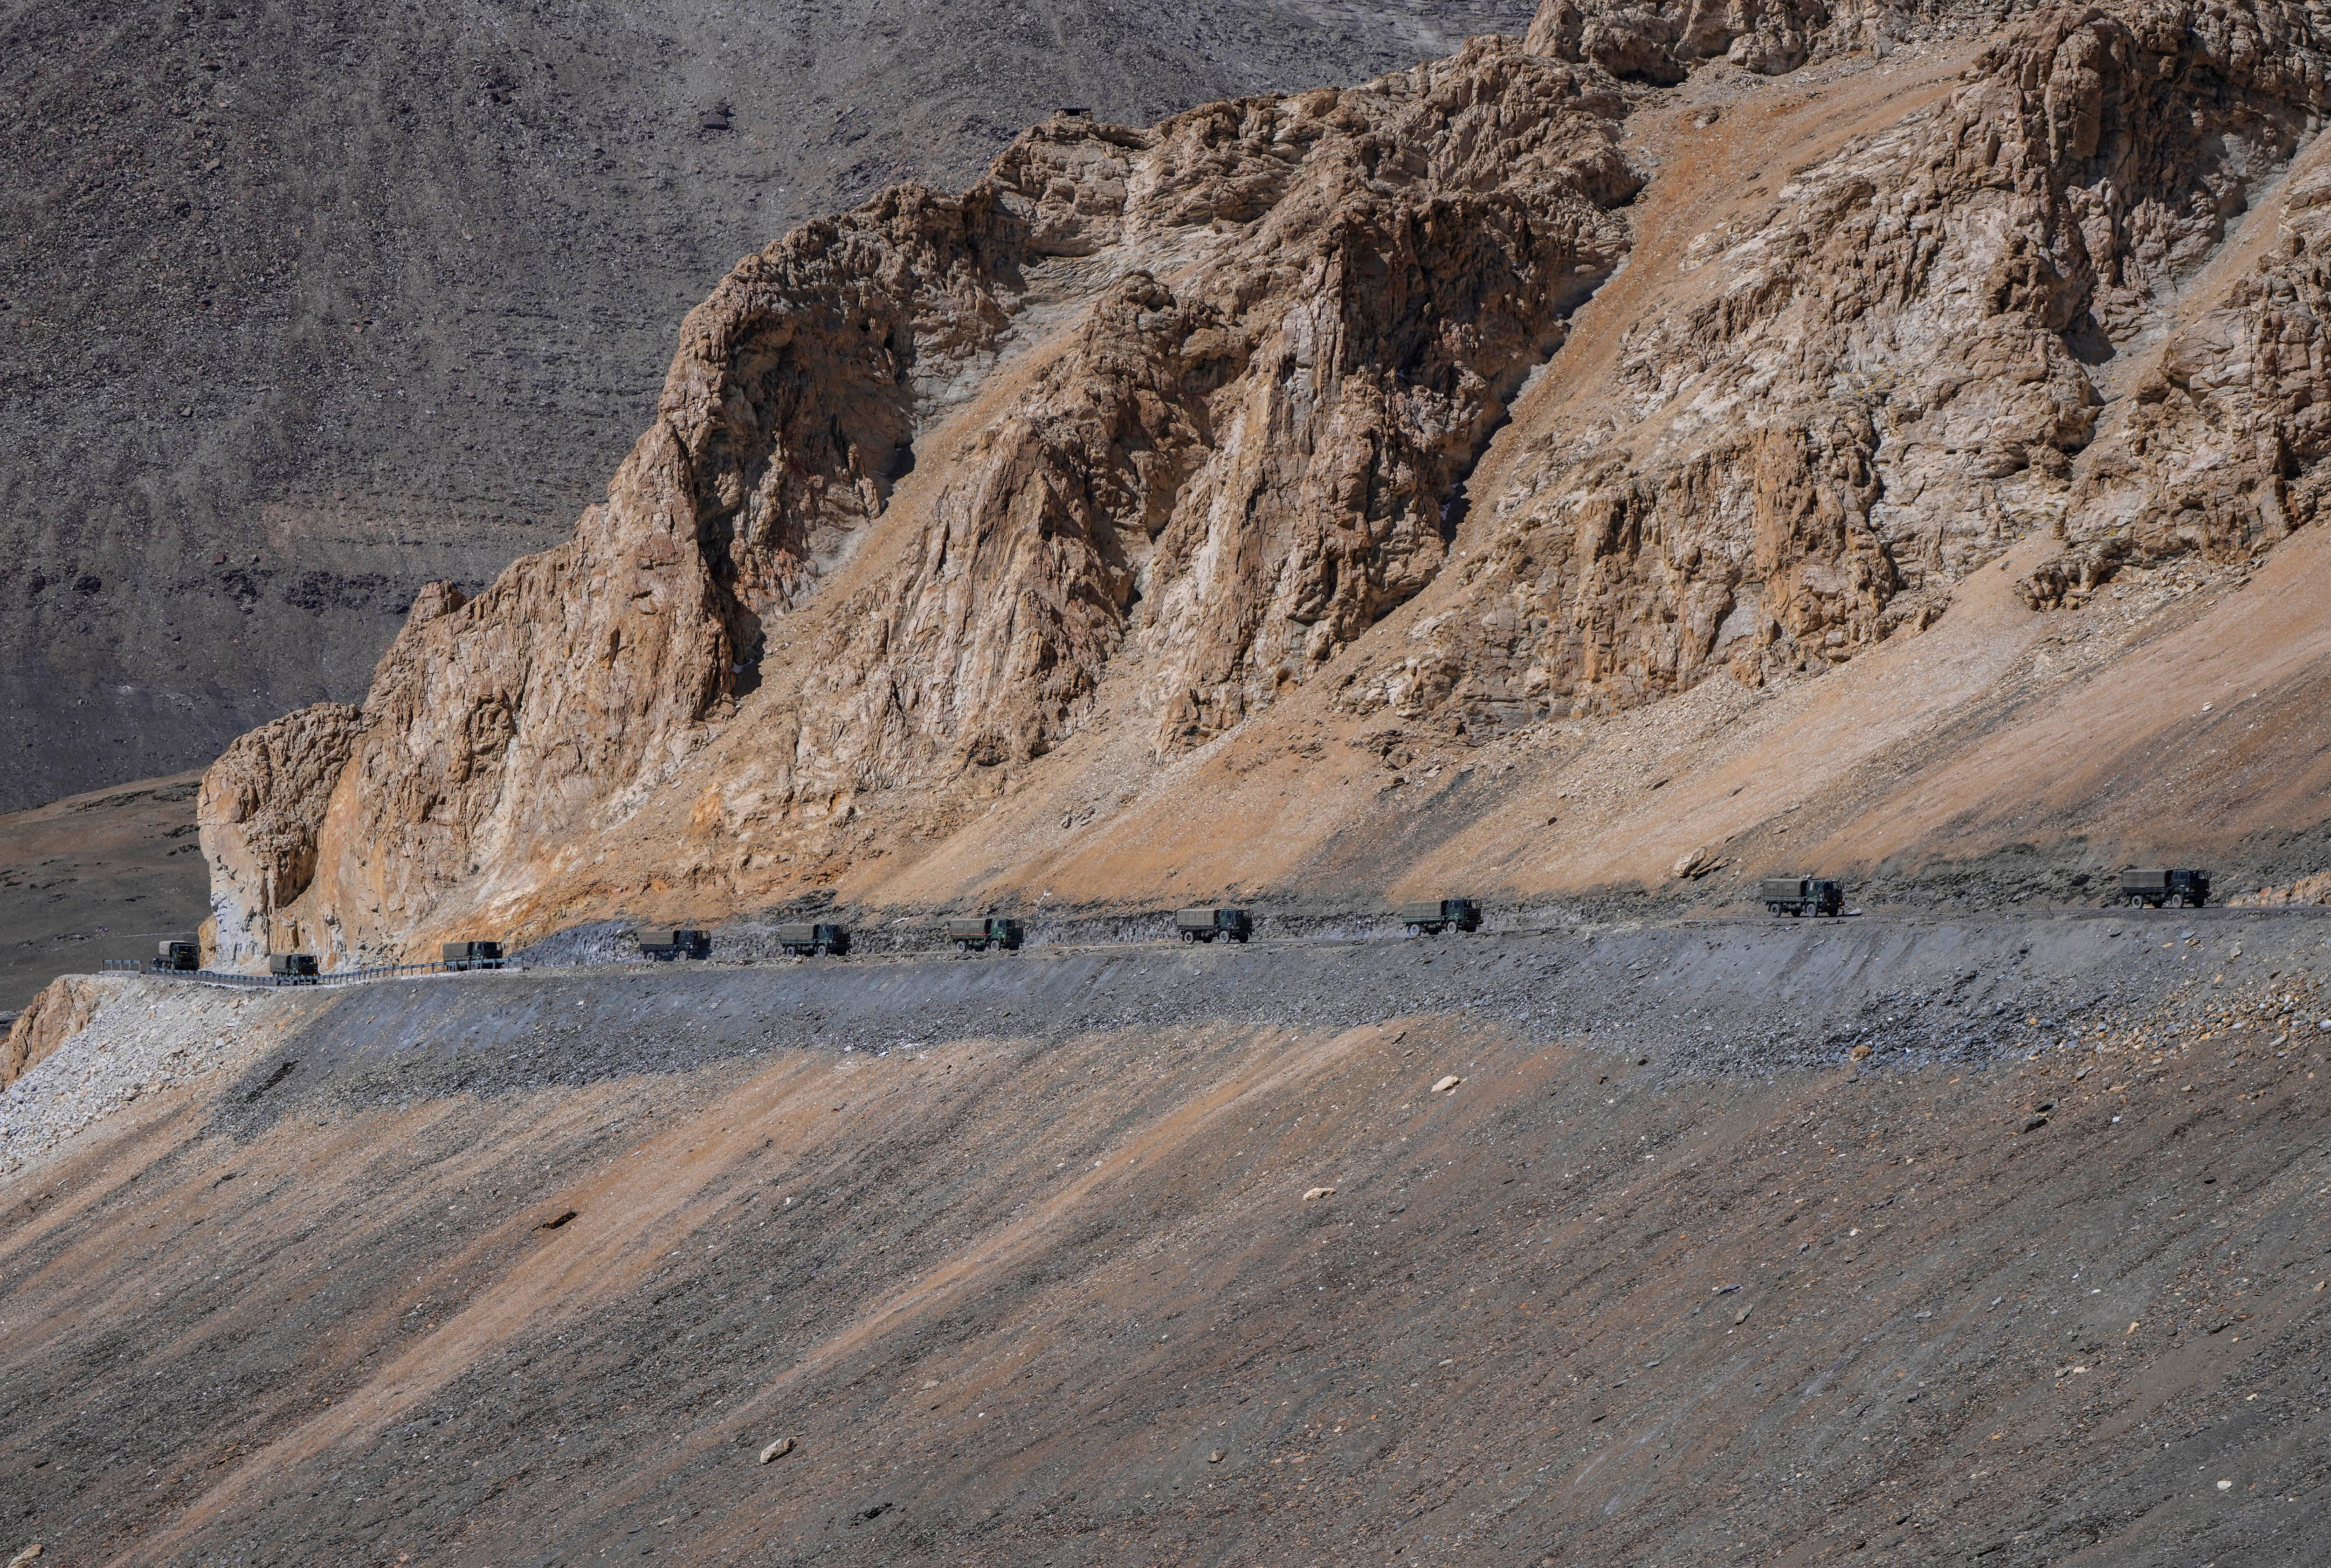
[[1152, 428], [1305, 318], [1849, 400]]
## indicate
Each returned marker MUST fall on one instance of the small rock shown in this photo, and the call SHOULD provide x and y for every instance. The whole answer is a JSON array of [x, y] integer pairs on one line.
[[2034, 1125], [1860, 1052], [1319, 1193], [1215, 1458], [26, 1555], [2225, 1486], [1741, 1317], [1726, 1289], [1446, 1084], [777, 1451]]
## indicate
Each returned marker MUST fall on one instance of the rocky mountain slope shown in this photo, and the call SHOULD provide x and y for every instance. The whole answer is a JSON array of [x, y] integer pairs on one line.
[[304, 306], [1893, 1241], [1554, 414]]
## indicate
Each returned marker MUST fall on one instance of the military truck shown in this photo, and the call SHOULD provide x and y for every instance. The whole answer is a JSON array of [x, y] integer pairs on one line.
[[2153, 888], [472, 955], [1800, 895], [984, 933], [1434, 916], [665, 943], [1205, 925], [292, 968], [813, 940], [177, 958]]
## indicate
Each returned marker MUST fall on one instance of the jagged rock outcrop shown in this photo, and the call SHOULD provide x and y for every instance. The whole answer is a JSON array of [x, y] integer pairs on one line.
[[259, 814], [1885, 378], [2222, 454], [1152, 426], [1300, 321], [62, 1009]]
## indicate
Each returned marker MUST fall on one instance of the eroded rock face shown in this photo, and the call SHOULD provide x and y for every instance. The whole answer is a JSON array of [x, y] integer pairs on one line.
[[62, 1009], [259, 815], [1152, 425], [1296, 323], [1891, 372], [2222, 452]]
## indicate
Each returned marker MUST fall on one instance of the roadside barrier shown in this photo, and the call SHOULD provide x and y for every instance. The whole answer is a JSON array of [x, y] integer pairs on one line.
[[332, 981]]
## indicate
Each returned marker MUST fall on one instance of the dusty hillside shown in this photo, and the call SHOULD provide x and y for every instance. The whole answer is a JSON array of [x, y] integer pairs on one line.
[[304, 306], [1879, 446], [1906, 1242], [96, 877]]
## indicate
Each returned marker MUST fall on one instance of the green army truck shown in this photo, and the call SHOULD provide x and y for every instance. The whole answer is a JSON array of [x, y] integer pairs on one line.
[[813, 940], [665, 943], [2153, 888], [1205, 925], [1432, 916], [983, 933], [1800, 895]]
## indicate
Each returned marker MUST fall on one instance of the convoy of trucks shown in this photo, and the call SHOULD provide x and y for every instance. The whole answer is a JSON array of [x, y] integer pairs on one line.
[[1794, 896]]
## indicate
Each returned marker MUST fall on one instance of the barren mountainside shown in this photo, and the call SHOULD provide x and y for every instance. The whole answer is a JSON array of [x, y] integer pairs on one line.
[[1895, 433], [304, 306]]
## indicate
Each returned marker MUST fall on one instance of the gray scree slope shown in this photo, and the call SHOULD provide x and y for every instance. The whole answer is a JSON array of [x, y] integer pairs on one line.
[[304, 306]]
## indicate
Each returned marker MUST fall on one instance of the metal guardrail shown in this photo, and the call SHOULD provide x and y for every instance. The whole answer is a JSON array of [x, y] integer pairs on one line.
[[332, 981]]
